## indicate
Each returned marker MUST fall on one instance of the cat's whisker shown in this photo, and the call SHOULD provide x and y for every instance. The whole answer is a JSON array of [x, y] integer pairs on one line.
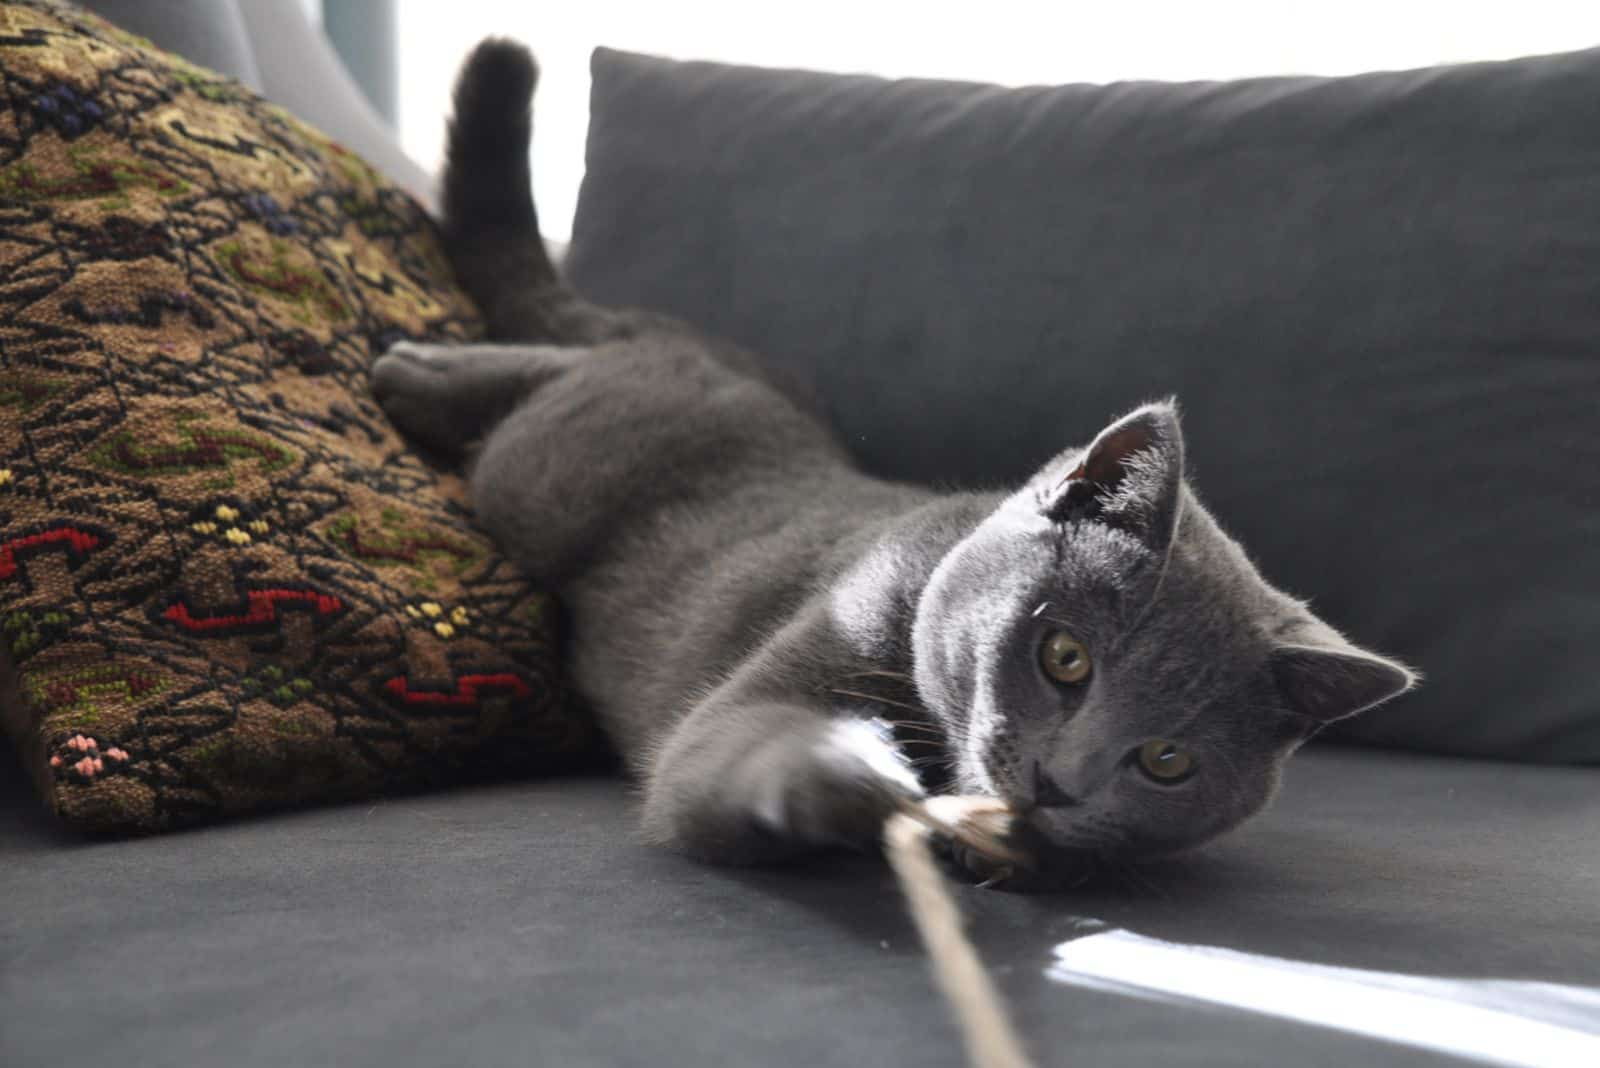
[[911, 724], [900, 676], [875, 698]]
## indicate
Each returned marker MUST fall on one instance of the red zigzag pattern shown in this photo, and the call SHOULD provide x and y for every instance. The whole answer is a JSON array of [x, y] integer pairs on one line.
[[468, 693], [261, 610], [74, 542]]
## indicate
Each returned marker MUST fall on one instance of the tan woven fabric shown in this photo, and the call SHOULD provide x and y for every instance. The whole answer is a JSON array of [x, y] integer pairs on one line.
[[224, 581]]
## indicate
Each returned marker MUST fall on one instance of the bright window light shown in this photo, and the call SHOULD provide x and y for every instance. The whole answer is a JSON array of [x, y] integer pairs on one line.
[[1002, 41]]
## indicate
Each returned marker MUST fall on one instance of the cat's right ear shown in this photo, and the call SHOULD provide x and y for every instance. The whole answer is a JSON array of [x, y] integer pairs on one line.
[[1329, 683], [1129, 478]]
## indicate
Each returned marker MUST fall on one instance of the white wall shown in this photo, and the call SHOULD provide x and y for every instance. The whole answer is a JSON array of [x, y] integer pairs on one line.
[[1004, 41]]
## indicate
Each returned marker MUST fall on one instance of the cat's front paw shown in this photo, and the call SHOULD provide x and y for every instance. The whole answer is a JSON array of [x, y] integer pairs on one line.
[[836, 789], [1016, 857], [982, 866]]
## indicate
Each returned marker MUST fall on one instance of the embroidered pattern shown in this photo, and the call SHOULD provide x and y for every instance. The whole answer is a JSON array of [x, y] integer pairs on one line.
[[397, 542], [229, 526], [274, 276], [28, 391], [93, 176], [25, 633], [91, 688], [469, 691], [90, 762], [259, 612], [225, 583], [74, 541], [198, 447], [446, 624], [278, 686], [148, 312]]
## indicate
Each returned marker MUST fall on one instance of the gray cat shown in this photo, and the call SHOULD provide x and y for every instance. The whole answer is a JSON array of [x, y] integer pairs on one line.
[[784, 649]]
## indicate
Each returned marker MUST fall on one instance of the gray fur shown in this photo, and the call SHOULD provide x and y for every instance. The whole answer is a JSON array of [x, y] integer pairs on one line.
[[747, 605]]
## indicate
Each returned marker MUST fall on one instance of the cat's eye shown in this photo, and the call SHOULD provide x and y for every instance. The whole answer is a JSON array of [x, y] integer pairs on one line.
[[1064, 658], [1164, 762]]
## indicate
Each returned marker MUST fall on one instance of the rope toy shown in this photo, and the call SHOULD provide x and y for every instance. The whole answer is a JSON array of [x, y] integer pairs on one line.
[[979, 823]]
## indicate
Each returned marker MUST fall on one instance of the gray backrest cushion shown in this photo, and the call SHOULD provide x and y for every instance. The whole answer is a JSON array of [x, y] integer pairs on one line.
[[1378, 299]]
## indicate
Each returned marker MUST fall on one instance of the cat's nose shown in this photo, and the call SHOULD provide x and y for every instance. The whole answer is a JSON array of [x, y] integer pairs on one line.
[[1047, 793]]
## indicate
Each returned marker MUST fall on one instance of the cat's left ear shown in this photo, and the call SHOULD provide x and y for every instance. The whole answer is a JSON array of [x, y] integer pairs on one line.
[[1129, 478], [1327, 684]]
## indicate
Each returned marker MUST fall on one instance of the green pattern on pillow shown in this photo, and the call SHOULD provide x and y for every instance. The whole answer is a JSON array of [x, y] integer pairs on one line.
[[225, 583]]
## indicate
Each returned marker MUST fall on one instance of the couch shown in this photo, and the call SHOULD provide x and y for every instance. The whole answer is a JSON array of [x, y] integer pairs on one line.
[[525, 923]]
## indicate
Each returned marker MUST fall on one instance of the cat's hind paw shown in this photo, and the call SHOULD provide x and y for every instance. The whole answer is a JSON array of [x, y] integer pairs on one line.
[[448, 396], [409, 384]]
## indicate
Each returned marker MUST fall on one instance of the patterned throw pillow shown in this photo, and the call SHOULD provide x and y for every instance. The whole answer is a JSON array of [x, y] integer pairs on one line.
[[225, 584]]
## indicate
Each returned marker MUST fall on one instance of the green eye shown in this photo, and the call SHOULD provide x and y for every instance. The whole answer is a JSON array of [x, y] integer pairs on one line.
[[1064, 658], [1164, 762]]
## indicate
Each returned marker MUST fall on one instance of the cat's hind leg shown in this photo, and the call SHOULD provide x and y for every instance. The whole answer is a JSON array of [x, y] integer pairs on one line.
[[449, 396]]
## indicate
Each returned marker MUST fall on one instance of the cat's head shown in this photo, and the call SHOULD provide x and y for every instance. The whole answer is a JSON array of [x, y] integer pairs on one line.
[[1105, 658]]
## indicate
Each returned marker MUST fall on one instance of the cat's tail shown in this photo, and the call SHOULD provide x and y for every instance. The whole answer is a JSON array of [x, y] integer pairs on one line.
[[491, 230], [490, 227]]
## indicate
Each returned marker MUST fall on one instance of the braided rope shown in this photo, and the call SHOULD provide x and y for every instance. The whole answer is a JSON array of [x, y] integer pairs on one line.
[[979, 1010]]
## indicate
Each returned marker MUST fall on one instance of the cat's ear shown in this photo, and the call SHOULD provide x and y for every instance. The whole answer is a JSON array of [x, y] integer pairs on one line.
[[1328, 684], [1128, 478]]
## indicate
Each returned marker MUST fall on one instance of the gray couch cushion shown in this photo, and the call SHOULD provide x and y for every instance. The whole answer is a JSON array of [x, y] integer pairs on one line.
[[526, 925], [1375, 297]]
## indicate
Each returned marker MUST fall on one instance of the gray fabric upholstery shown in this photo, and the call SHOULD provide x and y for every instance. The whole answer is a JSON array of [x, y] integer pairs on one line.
[[525, 925], [1373, 295]]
